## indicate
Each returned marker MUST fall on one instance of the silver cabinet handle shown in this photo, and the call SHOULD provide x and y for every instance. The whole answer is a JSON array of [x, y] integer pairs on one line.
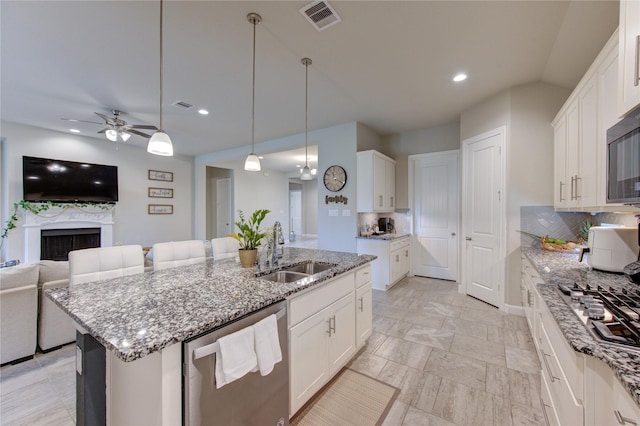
[[380, 200], [361, 303], [572, 180], [637, 74], [391, 201], [622, 419], [544, 358], [468, 238], [544, 411], [397, 258], [406, 253], [577, 179], [561, 185], [332, 325]]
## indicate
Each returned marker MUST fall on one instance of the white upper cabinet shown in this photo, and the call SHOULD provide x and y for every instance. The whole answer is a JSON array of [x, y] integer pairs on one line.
[[580, 137], [376, 182], [629, 56]]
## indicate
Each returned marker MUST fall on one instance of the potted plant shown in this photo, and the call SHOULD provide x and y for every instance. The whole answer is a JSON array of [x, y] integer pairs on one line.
[[249, 236]]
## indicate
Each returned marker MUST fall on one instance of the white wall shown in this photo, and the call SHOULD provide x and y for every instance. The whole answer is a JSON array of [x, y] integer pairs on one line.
[[527, 112], [133, 225]]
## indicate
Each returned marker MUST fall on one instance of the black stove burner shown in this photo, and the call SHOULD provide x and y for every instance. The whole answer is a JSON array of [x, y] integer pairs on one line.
[[621, 322]]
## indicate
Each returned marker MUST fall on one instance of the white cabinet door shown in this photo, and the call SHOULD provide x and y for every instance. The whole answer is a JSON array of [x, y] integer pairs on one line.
[[389, 186], [625, 410], [573, 152], [379, 185], [375, 182], [607, 116], [396, 267], [560, 164], [586, 184], [629, 56], [309, 358], [364, 314], [342, 336]]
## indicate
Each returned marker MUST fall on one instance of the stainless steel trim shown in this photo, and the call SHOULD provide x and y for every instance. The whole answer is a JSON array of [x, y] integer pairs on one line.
[[577, 179], [361, 303], [544, 358], [215, 346], [544, 412], [637, 74]]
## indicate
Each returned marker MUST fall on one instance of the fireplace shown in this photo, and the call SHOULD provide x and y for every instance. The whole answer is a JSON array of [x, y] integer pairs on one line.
[[53, 224], [55, 244]]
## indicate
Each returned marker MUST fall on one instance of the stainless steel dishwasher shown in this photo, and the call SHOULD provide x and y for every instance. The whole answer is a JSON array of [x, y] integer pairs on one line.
[[251, 400]]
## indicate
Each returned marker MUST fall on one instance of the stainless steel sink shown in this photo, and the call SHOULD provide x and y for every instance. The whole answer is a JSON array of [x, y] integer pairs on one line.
[[310, 268], [284, 276]]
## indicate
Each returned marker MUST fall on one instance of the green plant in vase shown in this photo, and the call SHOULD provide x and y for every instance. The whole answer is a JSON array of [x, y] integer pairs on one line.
[[249, 236]]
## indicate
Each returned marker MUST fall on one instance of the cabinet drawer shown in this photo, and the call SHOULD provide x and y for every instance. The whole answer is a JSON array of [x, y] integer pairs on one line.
[[548, 410], [316, 299], [625, 410], [397, 244], [363, 276]]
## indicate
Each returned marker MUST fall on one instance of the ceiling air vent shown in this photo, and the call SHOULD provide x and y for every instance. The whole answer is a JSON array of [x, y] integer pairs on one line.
[[182, 104], [320, 14]]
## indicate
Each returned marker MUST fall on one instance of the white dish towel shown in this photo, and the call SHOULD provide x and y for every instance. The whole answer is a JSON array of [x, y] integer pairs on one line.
[[236, 356], [267, 344]]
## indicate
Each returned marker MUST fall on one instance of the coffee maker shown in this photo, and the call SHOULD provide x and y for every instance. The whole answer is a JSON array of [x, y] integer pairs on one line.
[[385, 225]]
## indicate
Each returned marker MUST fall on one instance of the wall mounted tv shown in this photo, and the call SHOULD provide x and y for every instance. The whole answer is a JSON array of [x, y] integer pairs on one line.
[[63, 181]]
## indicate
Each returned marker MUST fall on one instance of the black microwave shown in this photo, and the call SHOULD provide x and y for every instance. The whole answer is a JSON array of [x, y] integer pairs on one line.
[[623, 160]]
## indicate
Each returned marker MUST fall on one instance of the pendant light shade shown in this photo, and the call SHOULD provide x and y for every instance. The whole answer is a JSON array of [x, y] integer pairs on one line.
[[160, 142], [306, 170], [252, 163]]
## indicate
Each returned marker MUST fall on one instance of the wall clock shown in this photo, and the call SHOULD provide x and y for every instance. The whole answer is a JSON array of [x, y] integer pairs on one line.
[[335, 178]]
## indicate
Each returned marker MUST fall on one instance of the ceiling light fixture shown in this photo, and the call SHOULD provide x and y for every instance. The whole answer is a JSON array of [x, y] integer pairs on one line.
[[203, 112], [160, 142], [74, 130], [306, 170], [252, 163], [460, 77], [112, 135]]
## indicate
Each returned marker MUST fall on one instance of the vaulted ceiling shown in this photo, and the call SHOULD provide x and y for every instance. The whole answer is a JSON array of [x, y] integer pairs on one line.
[[387, 64]]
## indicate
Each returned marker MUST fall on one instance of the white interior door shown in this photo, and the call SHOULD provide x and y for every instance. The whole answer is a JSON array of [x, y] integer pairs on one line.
[[224, 225], [483, 174], [295, 211], [436, 195]]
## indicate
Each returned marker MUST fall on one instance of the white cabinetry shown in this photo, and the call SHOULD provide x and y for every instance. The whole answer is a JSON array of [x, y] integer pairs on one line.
[[580, 138], [530, 296], [392, 264], [376, 182], [629, 56], [326, 325]]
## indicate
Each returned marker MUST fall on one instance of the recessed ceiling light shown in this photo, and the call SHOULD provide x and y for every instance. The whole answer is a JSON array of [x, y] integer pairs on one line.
[[260, 157], [298, 165], [203, 112], [460, 77], [74, 130]]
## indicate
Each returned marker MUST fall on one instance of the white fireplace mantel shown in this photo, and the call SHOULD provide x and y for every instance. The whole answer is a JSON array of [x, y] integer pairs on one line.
[[65, 218]]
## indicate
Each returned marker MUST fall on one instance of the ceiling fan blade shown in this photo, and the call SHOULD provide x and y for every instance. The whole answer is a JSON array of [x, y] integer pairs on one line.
[[141, 126], [107, 120], [135, 132], [80, 121], [103, 130]]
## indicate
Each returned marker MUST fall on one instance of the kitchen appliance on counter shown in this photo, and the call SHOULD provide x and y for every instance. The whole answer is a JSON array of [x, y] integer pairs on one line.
[[253, 400], [385, 224], [611, 249], [610, 315]]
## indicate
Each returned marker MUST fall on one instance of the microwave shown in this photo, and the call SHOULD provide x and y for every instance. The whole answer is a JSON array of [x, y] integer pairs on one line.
[[623, 160]]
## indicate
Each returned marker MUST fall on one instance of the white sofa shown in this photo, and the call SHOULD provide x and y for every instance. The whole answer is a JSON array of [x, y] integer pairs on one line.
[[55, 328], [18, 312]]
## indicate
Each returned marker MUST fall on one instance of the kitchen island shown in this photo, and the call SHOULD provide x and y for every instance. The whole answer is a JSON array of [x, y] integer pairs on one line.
[[142, 320], [607, 365]]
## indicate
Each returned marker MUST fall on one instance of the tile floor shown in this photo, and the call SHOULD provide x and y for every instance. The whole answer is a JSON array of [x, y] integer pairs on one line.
[[456, 360]]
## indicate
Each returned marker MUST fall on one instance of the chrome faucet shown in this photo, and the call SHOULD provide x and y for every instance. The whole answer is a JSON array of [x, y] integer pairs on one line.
[[278, 239]]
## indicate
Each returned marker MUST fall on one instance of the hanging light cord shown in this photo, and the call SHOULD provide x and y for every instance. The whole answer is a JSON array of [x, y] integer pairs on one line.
[[161, 62], [253, 87]]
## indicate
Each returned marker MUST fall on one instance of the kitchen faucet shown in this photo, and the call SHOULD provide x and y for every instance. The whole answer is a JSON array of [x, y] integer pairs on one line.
[[278, 239]]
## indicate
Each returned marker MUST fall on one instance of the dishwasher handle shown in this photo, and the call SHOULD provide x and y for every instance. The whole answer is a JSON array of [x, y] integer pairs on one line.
[[215, 346]]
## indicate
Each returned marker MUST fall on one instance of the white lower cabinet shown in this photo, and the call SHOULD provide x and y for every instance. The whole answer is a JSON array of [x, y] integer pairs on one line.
[[393, 262], [326, 326]]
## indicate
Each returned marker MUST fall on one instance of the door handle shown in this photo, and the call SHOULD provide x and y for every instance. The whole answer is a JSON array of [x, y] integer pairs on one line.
[[468, 238], [453, 234]]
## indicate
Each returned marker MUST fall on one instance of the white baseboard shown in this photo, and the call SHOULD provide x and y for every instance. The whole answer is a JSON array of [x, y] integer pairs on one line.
[[514, 310]]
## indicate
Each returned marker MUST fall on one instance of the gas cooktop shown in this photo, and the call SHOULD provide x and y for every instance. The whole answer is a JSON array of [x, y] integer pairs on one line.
[[610, 315]]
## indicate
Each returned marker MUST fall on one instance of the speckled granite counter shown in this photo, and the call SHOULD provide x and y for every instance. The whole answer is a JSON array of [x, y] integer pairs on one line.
[[561, 268], [385, 237], [141, 314]]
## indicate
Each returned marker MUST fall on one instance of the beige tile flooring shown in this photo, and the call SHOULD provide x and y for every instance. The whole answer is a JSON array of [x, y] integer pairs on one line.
[[456, 360]]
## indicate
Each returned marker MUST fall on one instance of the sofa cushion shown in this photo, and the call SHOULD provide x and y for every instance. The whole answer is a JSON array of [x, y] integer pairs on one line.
[[19, 276], [53, 270]]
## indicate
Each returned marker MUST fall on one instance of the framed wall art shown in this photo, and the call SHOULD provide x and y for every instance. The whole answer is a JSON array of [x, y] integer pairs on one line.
[[160, 175], [160, 192], [160, 208]]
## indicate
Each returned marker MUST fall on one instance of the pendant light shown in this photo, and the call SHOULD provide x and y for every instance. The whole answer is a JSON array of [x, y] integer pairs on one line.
[[252, 163], [306, 171], [160, 142]]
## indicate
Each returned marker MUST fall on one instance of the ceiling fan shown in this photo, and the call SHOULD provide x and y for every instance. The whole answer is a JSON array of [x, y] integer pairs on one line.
[[117, 127]]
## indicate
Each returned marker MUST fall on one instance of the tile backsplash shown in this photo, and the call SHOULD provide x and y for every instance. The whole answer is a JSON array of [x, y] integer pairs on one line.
[[544, 220], [401, 221]]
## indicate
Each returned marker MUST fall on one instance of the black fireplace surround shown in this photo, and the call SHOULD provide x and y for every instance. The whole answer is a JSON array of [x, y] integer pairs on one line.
[[55, 244]]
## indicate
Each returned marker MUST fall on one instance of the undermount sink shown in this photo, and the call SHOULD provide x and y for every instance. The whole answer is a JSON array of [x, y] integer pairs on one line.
[[310, 268], [284, 276]]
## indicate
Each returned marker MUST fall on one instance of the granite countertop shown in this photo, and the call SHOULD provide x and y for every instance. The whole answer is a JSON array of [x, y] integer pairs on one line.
[[563, 268], [385, 237], [140, 314]]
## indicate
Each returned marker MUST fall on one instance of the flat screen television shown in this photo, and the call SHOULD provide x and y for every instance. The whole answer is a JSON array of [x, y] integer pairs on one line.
[[45, 179]]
